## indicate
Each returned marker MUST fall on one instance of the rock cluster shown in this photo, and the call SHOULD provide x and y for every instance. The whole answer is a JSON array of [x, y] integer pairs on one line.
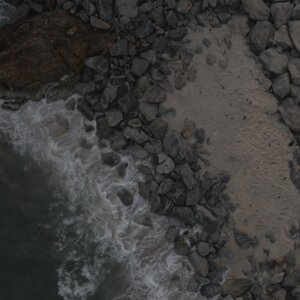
[[124, 90]]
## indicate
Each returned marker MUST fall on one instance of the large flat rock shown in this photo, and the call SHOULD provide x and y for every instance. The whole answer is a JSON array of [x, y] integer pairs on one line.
[[36, 51]]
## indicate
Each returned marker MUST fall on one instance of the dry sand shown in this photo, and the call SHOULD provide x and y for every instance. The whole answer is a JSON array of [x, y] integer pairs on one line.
[[246, 138]]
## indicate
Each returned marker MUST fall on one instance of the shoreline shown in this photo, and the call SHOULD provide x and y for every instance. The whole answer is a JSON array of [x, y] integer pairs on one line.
[[136, 79]]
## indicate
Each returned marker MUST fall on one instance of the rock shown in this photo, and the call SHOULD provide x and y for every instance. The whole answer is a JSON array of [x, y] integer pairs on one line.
[[199, 264], [125, 197], [127, 8], [211, 59], [105, 9], [177, 195], [156, 95], [281, 85], [180, 80], [256, 9], [277, 278], [296, 12], [10, 105], [85, 110], [149, 111], [135, 135], [98, 63], [185, 215], [99, 24], [200, 135], [144, 29], [293, 278], [181, 247], [188, 129], [206, 218], [187, 175], [296, 292], [166, 164], [165, 186], [88, 7], [84, 88], [290, 113], [273, 61], [203, 249], [109, 94], [260, 34], [121, 169], [159, 128], [104, 131], [282, 37], [183, 6], [193, 197], [172, 234], [243, 240], [281, 13], [128, 103], [295, 93], [236, 287], [110, 158], [120, 48], [114, 117], [171, 18], [294, 28], [210, 290], [71, 41], [139, 66], [294, 69], [149, 55]]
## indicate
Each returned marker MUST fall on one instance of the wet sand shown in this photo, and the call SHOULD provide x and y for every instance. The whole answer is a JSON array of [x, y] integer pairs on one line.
[[246, 139]]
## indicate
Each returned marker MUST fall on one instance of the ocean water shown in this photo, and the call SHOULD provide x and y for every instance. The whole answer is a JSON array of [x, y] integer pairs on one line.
[[67, 235]]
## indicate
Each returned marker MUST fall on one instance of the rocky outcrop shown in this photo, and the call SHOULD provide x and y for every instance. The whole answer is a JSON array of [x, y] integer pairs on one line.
[[42, 49]]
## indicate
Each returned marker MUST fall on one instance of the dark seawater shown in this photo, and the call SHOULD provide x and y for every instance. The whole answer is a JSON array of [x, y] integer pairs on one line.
[[28, 261]]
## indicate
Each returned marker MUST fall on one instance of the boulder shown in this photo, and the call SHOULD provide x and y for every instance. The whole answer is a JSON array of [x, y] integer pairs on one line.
[[199, 264], [274, 61], [236, 287], [260, 34], [290, 113], [125, 197], [294, 69], [281, 13], [294, 28], [53, 42], [256, 9], [281, 85]]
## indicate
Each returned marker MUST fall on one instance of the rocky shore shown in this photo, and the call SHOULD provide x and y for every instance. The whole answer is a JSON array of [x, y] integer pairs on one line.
[[123, 65]]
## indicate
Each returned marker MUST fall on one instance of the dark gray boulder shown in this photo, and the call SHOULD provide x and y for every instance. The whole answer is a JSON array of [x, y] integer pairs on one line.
[[260, 34]]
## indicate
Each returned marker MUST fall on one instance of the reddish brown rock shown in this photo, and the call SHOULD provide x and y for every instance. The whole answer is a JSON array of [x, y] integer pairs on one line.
[[42, 49]]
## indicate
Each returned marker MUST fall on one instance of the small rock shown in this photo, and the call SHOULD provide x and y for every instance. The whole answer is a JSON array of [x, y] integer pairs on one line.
[[260, 34], [210, 290], [180, 80], [166, 164], [243, 240], [193, 197], [181, 247], [293, 278], [273, 61], [149, 111], [296, 12], [103, 129], [236, 287], [257, 10], [277, 278], [128, 103], [154, 146], [185, 215], [188, 129], [294, 69], [200, 135], [290, 112], [171, 18], [125, 197], [199, 264], [120, 48], [121, 169], [110, 158], [139, 66], [156, 95], [127, 8], [296, 292], [114, 117], [177, 195], [295, 93], [135, 135], [203, 249], [10, 105], [149, 55], [281, 85], [281, 13], [85, 110], [172, 234], [282, 37], [99, 24], [159, 128], [183, 6], [84, 88], [210, 59], [165, 186], [105, 9], [187, 175], [98, 63], [294, 28]]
